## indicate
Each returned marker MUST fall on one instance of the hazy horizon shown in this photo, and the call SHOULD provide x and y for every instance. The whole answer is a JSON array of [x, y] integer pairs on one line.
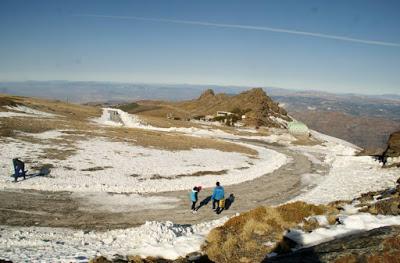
[[337, 47], [203, 87]]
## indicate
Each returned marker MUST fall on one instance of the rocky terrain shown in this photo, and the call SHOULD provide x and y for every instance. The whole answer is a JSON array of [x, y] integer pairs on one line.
[[392, 151], [377, 245], [260, 109], [257, 107]]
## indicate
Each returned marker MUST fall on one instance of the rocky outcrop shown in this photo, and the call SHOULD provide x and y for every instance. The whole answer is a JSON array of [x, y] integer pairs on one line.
[[255, 104], [377, 245], [386, 202], [207, 94], [392, 153]]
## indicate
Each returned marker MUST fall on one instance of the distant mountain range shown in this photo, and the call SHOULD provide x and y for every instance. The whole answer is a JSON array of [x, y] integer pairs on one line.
[[366, 120]]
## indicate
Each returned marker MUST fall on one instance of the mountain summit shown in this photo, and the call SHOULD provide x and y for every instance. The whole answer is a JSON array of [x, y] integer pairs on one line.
[[257, 107]]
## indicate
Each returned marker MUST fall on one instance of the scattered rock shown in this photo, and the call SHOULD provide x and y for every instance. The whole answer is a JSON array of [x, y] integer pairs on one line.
[[378, 245], [391, 156]]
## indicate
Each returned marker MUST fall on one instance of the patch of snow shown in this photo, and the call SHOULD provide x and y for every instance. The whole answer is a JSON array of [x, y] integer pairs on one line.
[[249, 130], [133, 121], [157, 239], [47, 135], [127, 120], [100, 201], [279, 120], [349, 175], [13, 148], [332, 140], [311, 178], [321, 219], [282, 138], [312, 157], [350, 224], [207, 123], [124, 168], [9, 114], [30, 111]]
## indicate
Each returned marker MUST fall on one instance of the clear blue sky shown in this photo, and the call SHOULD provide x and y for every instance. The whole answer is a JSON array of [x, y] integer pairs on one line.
[[103, 41]]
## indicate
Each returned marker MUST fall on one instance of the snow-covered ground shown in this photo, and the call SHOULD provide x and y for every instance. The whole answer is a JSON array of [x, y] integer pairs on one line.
[[122, 203], [349, 224], [43, 244], [350, 221], [24, 111], [349, 175], [104, 166], [47, 135]]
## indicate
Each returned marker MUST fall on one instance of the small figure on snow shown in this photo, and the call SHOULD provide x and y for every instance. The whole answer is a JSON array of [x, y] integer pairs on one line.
[[194, 197]]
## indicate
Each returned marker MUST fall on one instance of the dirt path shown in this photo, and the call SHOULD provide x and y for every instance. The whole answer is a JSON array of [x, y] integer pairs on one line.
[[64, 209]]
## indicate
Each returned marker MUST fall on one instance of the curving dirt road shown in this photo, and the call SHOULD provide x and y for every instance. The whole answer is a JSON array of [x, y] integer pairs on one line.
[[65, 209]]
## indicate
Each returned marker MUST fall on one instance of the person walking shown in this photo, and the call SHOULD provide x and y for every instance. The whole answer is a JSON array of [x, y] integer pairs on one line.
[[194, 197], [218, 194]]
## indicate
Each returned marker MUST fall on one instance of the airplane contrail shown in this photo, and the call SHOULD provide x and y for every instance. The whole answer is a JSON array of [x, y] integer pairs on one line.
[[248, 27]]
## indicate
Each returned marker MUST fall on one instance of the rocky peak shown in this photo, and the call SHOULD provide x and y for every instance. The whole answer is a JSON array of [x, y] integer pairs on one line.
[[256, 92], [207, 94], [259, 109]]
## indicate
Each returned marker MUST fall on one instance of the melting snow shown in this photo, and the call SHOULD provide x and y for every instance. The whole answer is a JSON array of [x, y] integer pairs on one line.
[[349, 175], [29, 112], [44, 244], [349, 224], [104, 166]]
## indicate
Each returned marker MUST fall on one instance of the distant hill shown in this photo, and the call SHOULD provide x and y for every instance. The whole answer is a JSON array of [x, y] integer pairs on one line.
[[260, 109], [368, 132]]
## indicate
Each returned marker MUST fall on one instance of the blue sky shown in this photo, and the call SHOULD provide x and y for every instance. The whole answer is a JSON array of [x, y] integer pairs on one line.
[[109, 41]]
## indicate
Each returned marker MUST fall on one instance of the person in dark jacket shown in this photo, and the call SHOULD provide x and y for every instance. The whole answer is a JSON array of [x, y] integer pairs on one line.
[[19, 169], [218, 194], [194, 197]]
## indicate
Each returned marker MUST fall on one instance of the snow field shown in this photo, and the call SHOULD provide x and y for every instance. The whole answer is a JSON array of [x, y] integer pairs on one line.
[[43, 244], [122, 168], [349, 175]]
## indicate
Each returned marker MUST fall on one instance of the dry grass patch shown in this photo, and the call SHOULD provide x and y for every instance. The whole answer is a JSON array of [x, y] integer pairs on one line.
[[305, 141], [27, 125], [244, 237], [172, 141], [7, 101], [57, 154], [163, 122]]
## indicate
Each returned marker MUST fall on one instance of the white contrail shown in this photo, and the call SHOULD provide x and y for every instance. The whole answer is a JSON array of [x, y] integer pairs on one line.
[[259, 28]]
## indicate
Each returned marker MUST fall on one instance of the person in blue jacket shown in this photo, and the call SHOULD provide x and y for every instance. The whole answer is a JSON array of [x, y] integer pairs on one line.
[[218, 194], [194, 197]]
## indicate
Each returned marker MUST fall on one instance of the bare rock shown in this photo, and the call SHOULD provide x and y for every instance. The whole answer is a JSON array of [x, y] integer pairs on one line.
[[377, 245]]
